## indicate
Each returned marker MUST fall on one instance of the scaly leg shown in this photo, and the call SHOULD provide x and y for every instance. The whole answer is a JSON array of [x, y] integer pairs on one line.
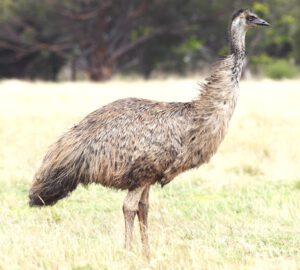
[[143, 220], [130, 208]]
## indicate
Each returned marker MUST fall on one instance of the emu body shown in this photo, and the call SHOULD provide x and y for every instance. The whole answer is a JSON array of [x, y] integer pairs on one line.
[[131, 144]]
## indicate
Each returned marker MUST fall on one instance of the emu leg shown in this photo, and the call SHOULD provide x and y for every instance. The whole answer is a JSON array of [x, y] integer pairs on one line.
[[130, 208], [143, 220]]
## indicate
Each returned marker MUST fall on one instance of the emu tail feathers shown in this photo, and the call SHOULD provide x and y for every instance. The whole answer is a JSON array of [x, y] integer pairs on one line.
[[51, 186], [62, 169]]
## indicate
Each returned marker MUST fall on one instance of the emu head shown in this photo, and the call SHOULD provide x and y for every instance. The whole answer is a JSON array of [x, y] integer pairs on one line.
[[245, 19]]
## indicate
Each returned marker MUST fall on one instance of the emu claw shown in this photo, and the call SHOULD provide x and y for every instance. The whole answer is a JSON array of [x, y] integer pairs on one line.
[[163, 182]]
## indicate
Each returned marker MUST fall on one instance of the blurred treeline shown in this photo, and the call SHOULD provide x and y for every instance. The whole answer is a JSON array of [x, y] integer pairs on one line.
[[39, 39]]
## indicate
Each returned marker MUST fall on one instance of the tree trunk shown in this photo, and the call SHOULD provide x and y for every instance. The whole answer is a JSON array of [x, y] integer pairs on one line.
[[101, 72], [100, 65], [73, 69]]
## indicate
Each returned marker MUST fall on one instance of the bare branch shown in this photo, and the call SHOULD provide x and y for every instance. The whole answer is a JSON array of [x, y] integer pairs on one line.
[[139, 11], [120, 52], [79, 16]]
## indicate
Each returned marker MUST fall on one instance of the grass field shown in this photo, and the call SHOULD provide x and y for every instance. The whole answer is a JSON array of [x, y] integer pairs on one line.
[[240, 211]]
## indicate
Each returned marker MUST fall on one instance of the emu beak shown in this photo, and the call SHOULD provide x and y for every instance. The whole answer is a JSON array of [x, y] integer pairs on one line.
[[261, 22]]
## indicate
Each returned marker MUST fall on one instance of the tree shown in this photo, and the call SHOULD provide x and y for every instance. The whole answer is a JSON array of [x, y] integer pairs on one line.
[[37, 38], [100, 31], [106, 31], [31, 44]]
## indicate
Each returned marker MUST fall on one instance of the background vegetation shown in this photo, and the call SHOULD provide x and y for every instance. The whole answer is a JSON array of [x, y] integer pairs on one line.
[[40, 39]]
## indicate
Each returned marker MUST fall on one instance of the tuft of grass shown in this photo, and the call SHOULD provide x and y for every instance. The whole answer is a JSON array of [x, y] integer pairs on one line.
[[297, 184], [86, 267], [251, 170]]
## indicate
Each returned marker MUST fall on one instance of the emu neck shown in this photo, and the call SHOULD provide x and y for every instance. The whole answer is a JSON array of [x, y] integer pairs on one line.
[[237, 36], [218, 96]]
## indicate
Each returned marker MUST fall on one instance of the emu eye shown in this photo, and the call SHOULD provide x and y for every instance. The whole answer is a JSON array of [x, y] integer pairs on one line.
[[250, 18]]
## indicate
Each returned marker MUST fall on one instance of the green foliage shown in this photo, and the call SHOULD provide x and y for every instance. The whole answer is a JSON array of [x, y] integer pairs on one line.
[[296, 45], [288, 19], [274, 69], [260, 8], [262, 59], [280, 69], [185, 53], [139, 32], [5, 10], [190, 45], [194, 34]]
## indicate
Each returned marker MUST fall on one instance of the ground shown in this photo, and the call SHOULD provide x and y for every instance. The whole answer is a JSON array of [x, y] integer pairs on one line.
[[240, 211]]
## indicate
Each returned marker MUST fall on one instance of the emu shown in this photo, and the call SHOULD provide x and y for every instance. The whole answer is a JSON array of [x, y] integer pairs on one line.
[[131, 144]]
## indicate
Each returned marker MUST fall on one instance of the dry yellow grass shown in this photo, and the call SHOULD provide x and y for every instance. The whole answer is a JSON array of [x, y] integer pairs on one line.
[[240, 211]]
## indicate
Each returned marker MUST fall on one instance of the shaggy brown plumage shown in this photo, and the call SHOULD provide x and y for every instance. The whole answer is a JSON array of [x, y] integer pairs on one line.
[[133, 143]]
